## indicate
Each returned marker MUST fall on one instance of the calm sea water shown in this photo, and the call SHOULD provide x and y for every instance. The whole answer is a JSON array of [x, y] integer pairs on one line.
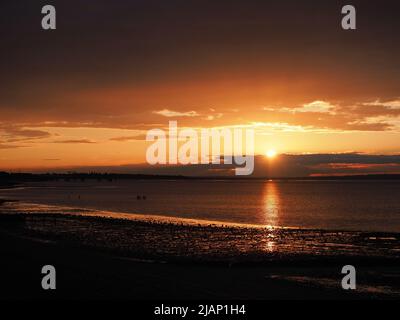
[[336, 205]]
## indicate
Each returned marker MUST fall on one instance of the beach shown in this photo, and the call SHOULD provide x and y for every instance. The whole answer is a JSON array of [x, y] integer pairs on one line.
[[101, 256]]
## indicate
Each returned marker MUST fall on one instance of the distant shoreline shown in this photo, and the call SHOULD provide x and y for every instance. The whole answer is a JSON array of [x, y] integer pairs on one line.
[[11, 179]]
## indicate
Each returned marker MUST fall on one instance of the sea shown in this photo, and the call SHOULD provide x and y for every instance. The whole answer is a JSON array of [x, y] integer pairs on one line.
[[353, 205]]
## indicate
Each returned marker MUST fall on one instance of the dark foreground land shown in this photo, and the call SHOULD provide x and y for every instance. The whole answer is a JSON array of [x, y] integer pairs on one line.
[[95, 262]]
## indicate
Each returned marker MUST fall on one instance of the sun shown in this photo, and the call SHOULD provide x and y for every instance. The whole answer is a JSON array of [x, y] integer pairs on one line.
[[271, 153]]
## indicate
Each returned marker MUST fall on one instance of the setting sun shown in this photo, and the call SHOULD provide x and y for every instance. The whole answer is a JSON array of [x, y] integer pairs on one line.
[[271, 153]]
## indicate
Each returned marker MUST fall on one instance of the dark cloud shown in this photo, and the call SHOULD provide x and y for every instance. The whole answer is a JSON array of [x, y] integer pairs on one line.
[[283, 166]]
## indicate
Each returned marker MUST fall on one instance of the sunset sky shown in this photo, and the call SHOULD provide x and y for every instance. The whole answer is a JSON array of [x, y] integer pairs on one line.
[[85, 94]]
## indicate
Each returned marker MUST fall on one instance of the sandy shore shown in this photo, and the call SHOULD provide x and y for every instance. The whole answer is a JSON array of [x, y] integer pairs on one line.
[[118, 258]]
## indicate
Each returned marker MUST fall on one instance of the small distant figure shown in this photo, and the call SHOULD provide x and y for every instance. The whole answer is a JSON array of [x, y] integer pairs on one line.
[[144, 197], [138, 197]]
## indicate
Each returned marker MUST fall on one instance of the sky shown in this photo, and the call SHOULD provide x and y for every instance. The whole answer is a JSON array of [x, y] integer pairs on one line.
[[84, 95]]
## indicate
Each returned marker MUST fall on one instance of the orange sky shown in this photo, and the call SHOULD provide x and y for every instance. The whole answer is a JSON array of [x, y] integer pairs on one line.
[[285, 69]]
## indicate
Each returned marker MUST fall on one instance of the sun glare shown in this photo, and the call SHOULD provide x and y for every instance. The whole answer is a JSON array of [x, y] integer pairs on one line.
[[271, 153]]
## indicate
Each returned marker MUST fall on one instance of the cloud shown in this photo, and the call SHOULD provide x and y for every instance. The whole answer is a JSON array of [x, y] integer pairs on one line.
[[78, 141], [392, 104], [281, 127], [138, 137], [170, 113], [328, 164], [330, 117], [383, 121], [340, 169], [213, 116], [10, 146], [285, 165], [190, 114], [13, 133], [317, 106], [355, 166]]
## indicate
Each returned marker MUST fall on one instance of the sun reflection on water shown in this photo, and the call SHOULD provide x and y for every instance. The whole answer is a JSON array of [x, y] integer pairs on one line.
[[272, 211], [271, 204]]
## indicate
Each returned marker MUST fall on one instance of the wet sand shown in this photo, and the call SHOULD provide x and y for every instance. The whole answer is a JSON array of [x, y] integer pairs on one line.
[[102, 257]]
